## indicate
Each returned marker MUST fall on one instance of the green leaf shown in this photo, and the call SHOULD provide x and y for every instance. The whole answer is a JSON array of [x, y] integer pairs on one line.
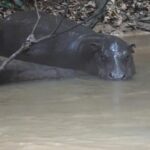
[[6, 4]]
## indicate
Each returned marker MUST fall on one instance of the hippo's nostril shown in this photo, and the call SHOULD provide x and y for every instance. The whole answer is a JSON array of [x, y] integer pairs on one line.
[[124, 76], [110, 75], [116, 76]]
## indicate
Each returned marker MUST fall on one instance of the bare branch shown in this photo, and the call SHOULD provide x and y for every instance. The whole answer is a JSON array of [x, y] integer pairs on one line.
[[38, 17], [61, 21], [31, 38], [52, 34], [23, 47], [96, 14]]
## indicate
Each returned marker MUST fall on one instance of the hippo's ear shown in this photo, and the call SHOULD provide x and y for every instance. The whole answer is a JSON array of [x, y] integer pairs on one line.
[[131, 46]]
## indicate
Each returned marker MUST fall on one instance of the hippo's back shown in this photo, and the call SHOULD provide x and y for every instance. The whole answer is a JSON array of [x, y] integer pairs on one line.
[[15, 29]]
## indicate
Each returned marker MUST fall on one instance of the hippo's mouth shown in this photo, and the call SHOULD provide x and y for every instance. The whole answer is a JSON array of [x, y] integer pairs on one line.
[[114, 77]]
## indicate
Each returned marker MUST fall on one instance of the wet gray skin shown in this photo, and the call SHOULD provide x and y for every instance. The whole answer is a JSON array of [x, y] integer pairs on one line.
[[101, 55], [115, 60]]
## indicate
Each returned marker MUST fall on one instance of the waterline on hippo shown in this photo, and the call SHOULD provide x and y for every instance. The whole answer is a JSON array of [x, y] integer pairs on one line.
[[106, 56], [19, 71]]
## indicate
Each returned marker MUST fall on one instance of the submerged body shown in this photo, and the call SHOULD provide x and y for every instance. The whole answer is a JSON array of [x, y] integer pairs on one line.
[[19, 71], [81, 48]]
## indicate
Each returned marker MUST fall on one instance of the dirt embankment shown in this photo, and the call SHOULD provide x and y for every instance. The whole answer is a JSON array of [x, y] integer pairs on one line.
[[120, 16]]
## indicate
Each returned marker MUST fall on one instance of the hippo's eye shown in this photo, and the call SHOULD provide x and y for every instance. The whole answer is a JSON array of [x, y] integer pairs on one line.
[[126, 55], [126, 58]]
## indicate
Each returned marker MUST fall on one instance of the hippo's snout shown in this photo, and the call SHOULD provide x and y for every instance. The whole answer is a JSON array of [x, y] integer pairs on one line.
[[117, 76]]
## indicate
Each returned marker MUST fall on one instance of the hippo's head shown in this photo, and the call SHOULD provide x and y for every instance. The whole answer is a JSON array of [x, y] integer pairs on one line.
[[110, 57], [114, 59]]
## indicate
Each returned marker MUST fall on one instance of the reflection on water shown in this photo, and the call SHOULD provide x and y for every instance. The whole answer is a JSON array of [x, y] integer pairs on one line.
[[82, 113]]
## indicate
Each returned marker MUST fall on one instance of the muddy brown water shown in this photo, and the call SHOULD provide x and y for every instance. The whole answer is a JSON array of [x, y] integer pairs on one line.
[[81, 113]]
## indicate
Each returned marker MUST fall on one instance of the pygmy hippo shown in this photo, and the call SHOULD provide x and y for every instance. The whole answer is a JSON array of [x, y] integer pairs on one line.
[[106, 56]]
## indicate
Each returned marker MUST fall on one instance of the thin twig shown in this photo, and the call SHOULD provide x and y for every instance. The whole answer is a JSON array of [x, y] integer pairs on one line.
[[38, 17], [61, 21], [31, 38], [52, 34], [23, 47], [73, 27], [97, 14]]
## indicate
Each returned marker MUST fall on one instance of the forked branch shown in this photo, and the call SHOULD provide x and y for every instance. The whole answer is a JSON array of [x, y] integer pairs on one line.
[[31, 38]]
